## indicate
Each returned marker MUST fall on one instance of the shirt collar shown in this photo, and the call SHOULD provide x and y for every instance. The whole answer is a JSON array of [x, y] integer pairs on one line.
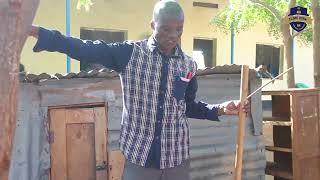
[[153, 46]]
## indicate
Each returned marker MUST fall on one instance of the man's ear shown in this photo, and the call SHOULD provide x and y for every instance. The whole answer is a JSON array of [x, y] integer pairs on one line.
[[152, 25]]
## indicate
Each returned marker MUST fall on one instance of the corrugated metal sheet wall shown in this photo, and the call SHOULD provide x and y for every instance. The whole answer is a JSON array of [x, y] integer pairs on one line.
[[213, 144]]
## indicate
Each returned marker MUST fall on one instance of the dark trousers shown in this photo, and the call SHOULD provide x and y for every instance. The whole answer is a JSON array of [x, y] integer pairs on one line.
[[135, 172]]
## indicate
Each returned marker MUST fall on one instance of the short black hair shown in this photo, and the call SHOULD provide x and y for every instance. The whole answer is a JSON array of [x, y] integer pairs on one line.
[[167, 9]]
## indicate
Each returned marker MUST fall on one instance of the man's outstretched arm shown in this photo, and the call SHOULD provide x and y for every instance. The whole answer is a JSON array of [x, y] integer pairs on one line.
[[113, 56]]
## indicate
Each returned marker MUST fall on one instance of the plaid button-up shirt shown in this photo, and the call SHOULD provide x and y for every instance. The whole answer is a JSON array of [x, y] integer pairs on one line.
[[158, 97]]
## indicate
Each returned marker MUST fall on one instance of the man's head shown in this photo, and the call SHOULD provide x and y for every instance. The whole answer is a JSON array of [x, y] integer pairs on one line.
[[167, 24]]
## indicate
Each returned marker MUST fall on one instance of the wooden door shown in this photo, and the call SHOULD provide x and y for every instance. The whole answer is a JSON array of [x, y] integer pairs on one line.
[[306, 136], [79, 147]]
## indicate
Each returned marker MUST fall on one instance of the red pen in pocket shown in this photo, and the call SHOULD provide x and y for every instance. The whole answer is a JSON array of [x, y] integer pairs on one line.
[[189, 75]]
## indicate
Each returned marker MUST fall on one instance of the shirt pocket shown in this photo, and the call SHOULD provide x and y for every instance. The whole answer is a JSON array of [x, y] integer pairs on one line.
[[179, 88]]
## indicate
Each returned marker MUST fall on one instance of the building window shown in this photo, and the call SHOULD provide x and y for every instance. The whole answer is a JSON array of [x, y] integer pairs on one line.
[[269, 57], [108, 36], [205, 52]]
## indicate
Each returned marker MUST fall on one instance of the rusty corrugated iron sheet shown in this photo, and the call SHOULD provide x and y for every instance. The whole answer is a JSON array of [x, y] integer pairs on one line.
[[26, 77]]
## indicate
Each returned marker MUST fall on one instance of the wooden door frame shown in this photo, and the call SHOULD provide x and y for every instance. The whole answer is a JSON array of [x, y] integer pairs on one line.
[[84, 105]]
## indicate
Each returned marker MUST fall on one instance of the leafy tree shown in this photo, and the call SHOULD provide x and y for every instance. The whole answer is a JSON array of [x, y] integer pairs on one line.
[[84, 3], [16, 17], [243, 14]]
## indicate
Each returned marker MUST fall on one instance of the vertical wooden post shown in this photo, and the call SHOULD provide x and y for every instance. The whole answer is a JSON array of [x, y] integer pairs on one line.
[[16, 17], [116, 165], [242, 122], [315, 5]]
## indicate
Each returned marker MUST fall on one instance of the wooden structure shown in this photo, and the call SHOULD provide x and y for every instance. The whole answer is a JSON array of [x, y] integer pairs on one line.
[[79, 144], [244, 88], [78, 132], [292, 134], [69, 121]]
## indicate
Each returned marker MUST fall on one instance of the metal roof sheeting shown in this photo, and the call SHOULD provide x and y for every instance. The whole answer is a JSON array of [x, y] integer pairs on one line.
[[106, 73]]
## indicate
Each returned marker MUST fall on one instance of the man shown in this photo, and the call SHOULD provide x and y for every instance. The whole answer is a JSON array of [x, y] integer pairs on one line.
[[159, 89]]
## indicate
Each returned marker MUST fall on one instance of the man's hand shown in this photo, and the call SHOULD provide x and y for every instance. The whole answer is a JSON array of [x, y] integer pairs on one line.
[[34, 31], [233, 108]]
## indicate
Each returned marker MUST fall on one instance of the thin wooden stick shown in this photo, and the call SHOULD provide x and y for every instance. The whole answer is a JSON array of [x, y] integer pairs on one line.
[[269, 82], [242, 123]]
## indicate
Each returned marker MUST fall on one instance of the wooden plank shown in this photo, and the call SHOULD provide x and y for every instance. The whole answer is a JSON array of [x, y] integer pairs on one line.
[[289, 91], [278, 171], [306, 136], [277, 92], [101, 141], [79, 115], [280, 119], [318, 105], [307, 122], [278, 123], [206, 5], [82, 105], [309, 168], [85, 143], [116, 165], [62, 93], [58, 147], [309, 156], [80, 152], [242, 119], [280, 149], [294, 135]]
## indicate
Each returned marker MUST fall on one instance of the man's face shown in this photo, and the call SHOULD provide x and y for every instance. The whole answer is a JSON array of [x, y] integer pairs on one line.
[[167, 32]]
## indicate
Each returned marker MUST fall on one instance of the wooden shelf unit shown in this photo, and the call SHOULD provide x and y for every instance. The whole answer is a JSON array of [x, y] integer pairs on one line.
[[293, 131]]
